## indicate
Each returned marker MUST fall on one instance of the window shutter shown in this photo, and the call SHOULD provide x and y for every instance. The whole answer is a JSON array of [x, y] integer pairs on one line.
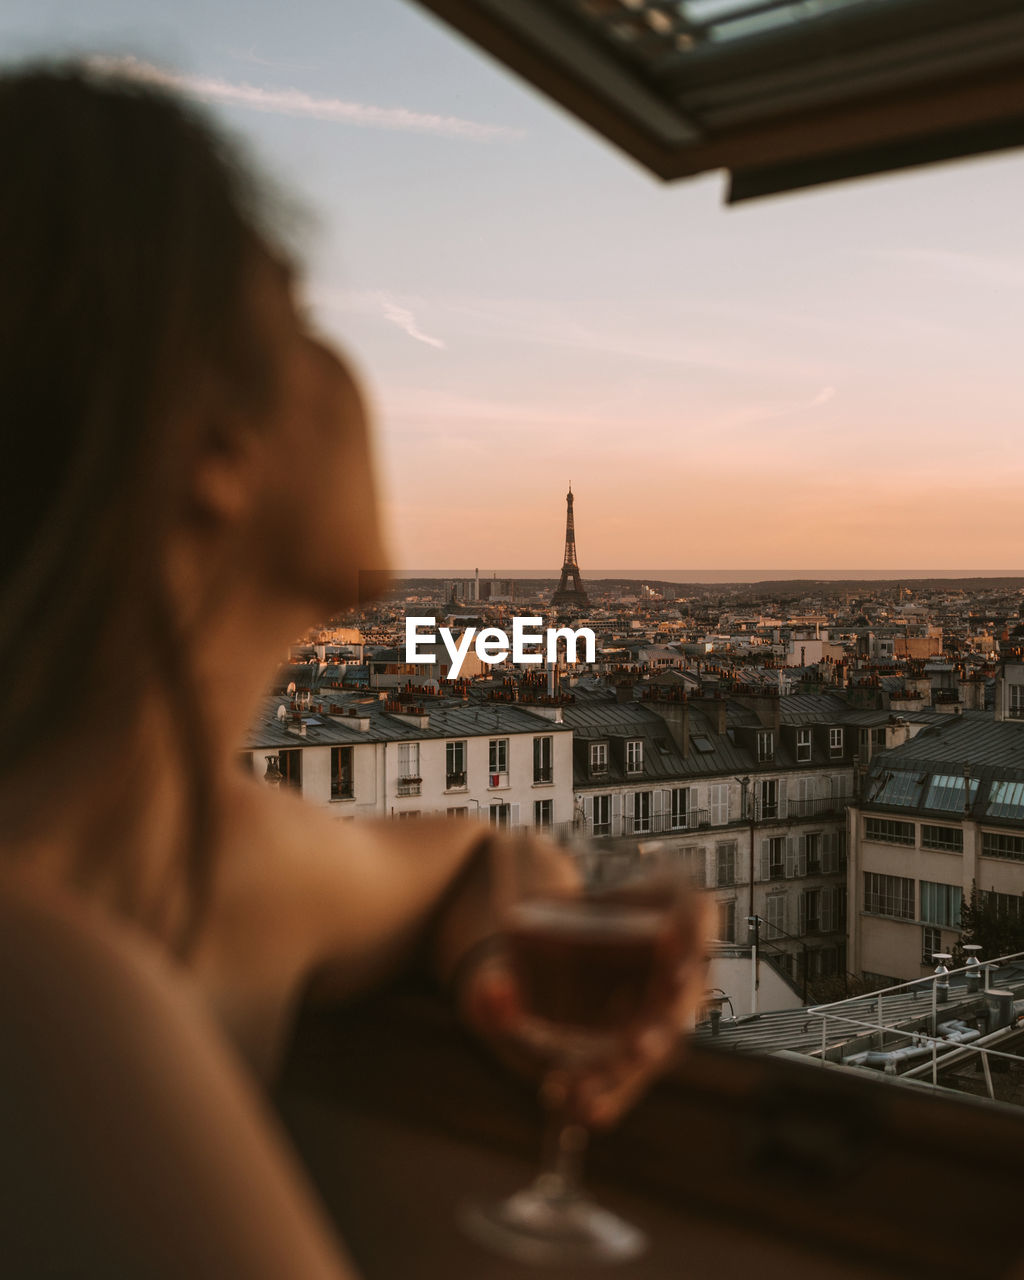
[[799, 854], [782, 797], [662, 802], [514, 815], [765, 860], [616, 813], [802, 915], [827, 910], [791, 858]]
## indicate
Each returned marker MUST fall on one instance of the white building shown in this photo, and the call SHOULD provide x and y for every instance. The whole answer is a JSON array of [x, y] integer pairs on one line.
[[371, 758]]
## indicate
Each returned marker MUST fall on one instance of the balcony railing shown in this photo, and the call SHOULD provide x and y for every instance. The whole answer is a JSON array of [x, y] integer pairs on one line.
[[817, 807], [409, 786], [660, 824]]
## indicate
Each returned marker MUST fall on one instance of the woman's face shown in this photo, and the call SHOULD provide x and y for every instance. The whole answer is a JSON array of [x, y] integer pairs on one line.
[[315, 519]]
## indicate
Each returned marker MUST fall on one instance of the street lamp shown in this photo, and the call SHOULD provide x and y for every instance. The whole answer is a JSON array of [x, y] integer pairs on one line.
[[754, 922]]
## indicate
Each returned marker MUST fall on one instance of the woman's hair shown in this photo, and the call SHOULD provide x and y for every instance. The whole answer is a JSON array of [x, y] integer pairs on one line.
[[128, 231]]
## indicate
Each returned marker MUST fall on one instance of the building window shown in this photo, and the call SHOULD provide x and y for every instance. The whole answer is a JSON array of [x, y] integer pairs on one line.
[[812, 853], [768, 790], [680, 807], [602, 815], [458, 811], [899, 787], [948, 791], [542, 759], [803, 746], [835, 742], [931, 942], [455, 765], [997, 844], [409, 780], [775, 913], [887, 831], [634, 755], [719, 804], [948, 839], [1006, 800], [542, 814], [810, 911], [497, 762], [341, 773], [641, 812], [408, 813], [290, 764], [598, 757], [889, 896], [1008, 906], [776, 858], [727, 922], [725, 863], [694, 863], [1015, 701], [941, 903], [765, 745], [500, 815]]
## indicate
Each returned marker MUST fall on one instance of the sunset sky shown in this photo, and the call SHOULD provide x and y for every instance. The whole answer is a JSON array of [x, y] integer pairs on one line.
[[827, 380]]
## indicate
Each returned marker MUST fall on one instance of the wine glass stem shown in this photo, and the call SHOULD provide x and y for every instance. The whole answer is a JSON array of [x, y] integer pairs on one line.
[[565, 1143]]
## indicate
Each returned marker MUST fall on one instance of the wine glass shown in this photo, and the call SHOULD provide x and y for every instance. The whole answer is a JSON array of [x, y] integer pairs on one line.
[[594, 971]]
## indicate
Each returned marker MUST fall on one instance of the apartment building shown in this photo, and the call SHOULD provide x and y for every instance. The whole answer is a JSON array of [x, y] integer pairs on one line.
[[937, 816], [749, 793], [372, 757]]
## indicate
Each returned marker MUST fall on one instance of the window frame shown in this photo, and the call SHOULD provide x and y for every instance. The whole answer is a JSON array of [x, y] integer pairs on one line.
[[338, 770], [456, 774], [543, 773]]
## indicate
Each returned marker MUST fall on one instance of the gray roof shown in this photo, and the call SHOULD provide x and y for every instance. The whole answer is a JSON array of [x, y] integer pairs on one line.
[[973, 737], [455, 719]]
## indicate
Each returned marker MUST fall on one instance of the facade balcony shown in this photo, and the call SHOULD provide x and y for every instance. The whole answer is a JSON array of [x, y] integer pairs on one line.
[[409, 786]]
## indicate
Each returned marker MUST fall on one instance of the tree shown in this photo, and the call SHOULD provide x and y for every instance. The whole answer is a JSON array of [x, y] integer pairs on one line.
[[993, 920]]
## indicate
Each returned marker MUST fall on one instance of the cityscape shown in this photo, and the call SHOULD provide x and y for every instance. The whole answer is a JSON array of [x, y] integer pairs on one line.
[[838, 765]]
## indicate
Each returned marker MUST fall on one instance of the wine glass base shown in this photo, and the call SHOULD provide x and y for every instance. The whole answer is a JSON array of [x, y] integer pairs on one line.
[[538, 1226]]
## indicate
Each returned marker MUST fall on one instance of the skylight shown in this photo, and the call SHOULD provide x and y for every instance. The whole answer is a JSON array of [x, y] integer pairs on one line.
[[782, 92]]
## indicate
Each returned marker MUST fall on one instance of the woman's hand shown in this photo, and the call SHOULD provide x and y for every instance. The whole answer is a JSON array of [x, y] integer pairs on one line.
[[491, 1002]]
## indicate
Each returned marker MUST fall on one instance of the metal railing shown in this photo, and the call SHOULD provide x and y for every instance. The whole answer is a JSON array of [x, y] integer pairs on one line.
[[829, 1013]]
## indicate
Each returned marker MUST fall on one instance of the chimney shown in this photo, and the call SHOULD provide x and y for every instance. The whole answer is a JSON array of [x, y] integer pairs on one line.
[[624, 691]]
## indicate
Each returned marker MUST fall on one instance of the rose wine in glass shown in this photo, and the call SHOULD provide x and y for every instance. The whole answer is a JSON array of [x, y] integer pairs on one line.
[[593, 971]]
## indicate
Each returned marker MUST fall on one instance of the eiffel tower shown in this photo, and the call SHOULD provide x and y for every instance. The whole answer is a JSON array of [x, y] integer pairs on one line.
[[570, 586]]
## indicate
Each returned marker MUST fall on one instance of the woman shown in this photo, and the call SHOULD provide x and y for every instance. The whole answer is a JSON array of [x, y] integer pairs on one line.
[[189, 488]]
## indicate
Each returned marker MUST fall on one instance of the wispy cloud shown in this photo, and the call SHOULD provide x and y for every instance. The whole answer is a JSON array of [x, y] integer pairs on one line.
[[376, 302], [405, 320], [294, 102]]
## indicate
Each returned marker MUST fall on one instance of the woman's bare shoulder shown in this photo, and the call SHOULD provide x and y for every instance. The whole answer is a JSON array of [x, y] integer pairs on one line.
[[133, 1141]]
